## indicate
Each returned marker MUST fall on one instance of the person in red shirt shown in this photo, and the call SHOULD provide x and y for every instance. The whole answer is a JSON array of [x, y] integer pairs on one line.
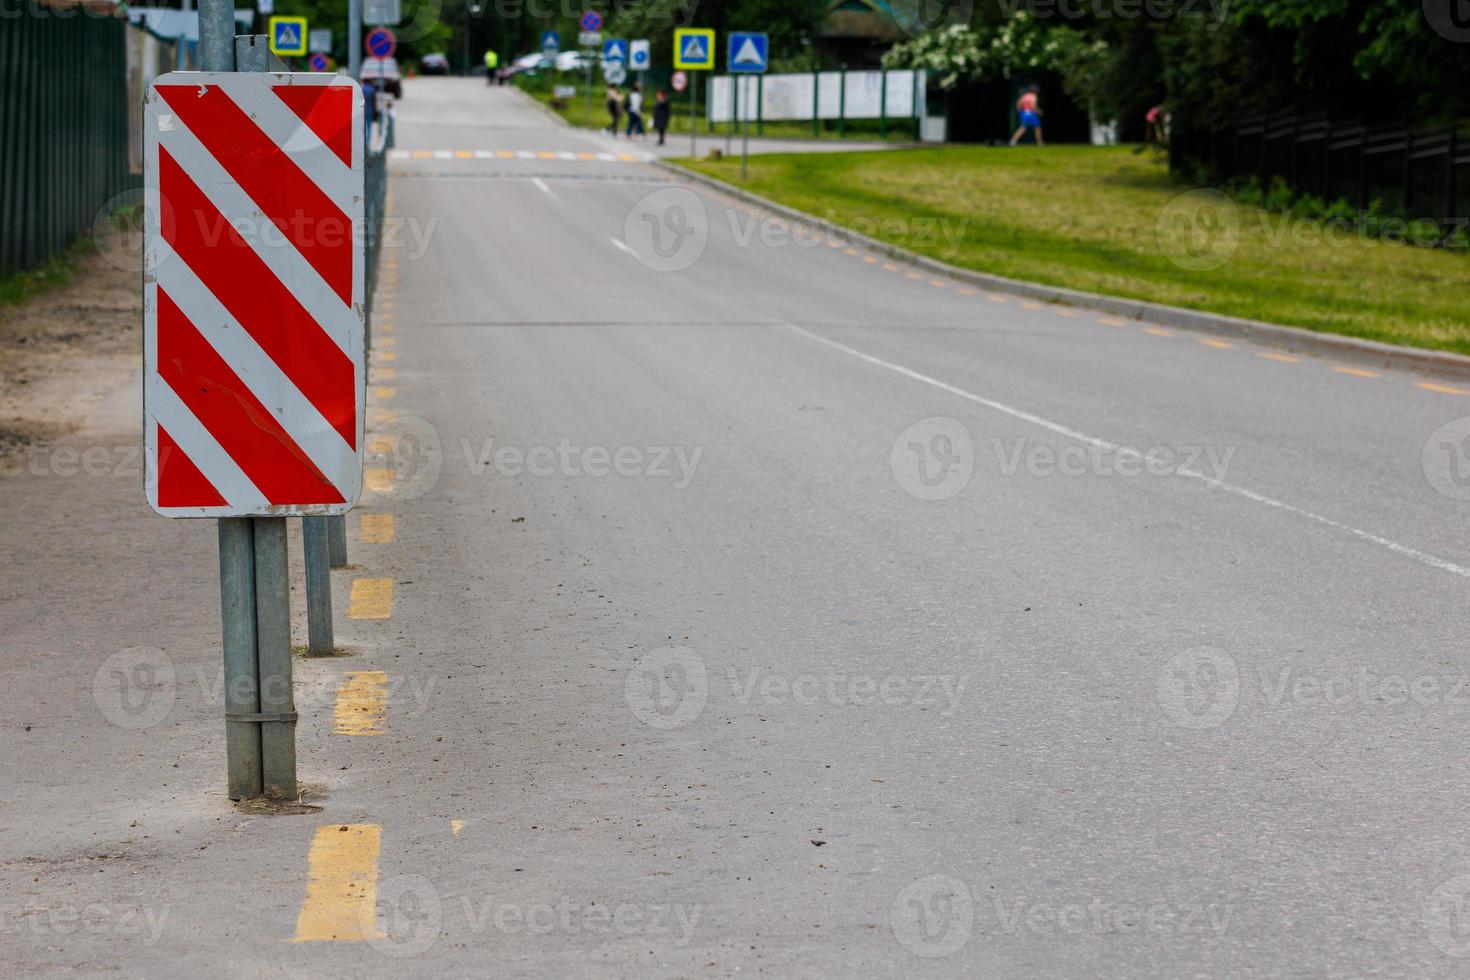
[[1029, 107]]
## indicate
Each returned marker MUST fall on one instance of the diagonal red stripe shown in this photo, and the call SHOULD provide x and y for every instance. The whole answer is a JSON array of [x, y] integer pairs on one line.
[[236, 276], [290, 199], [180, 484], [327, 110], [225, 406]]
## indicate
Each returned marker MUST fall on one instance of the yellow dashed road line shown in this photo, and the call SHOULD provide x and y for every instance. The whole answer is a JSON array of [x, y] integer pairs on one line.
[[938, 284], [1442, 389], [997, 298], [342, 891], [870, 259], [455, 826], [1110, 322], [1072, 314], [915, 275], [1217, 344], [372, 598], [362, 704], [380, 416], [386, 374], [889, 267], [1272, 355], [385, 356], [386, 342], [1355, 372], [380, 443], [376, 529], [378, 480], [384, 393], [1158, 332], [966, 291], [1031, 305]]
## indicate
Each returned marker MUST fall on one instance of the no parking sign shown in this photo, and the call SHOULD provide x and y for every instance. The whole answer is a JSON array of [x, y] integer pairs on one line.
[[380, 43]]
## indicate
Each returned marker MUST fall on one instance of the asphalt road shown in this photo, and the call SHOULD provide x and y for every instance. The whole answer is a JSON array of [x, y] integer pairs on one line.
[[759, 606]]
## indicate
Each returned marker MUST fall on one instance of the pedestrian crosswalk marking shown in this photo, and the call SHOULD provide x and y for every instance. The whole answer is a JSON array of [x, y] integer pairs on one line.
[[565, 155]]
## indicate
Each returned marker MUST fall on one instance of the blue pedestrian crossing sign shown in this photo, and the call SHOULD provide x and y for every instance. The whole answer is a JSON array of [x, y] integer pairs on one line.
[[288, 36], [615, 49], [748, 52], [694, 48], [550, 43]]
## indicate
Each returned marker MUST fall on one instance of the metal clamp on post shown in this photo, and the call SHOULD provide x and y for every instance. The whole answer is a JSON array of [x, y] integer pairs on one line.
[[286, 716]]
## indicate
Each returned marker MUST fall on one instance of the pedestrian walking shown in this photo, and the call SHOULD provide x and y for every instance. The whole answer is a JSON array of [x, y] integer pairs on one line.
[[635, 111], [614, 108], [1029, 107], [661, 115], [492, 66]]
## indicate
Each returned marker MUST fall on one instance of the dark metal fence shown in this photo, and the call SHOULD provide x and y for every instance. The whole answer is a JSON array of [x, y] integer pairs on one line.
[[63, 130], [1413, 173]]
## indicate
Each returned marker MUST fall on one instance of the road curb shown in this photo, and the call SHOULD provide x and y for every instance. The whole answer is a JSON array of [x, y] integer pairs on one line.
[[1295, 339]]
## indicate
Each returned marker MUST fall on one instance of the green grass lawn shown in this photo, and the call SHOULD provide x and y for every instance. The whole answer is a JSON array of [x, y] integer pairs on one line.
[[575, 112], [1095, 218]]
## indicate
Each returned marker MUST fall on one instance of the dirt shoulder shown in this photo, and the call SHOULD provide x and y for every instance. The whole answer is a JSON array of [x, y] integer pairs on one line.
[[63, 352]]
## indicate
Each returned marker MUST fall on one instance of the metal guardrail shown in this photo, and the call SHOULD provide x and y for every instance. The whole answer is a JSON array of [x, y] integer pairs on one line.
[[63, 131]]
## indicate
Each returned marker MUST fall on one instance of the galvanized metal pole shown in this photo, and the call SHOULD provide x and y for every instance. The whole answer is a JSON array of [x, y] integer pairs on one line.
[[236, 534], [337, 541], [273, 654], [242, 693], [734, 109], [693, 122], [354, 38], [314, 535], [217, 35], [745, 139]]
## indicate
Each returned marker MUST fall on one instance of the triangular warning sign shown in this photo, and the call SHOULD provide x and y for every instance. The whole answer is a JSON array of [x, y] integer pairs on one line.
[[694, 50], [749, 54]]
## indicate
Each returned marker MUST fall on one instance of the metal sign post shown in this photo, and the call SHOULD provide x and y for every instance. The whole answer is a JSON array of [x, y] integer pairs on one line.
[[749, 54], [210, 308]]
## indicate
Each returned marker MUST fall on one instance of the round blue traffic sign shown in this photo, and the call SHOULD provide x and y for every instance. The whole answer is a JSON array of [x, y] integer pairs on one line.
[[591, 21], [318, 62], [380, 43]]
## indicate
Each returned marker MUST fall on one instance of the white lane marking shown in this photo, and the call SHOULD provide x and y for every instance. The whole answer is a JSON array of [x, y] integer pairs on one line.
[[541, 184], [566, 155], [443, 155], [622, 245], [525, 155], [1102, 444], [607, 158], [484, 154]]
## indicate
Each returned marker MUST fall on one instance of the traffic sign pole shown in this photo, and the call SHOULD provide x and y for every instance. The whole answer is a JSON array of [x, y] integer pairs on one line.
[[354, 38]]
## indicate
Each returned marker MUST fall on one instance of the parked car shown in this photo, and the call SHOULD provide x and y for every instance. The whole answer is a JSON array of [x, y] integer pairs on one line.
[[434, 64], [383, 72]]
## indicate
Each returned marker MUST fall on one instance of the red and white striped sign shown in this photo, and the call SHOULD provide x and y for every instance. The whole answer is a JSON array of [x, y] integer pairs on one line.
[[253, 375]]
